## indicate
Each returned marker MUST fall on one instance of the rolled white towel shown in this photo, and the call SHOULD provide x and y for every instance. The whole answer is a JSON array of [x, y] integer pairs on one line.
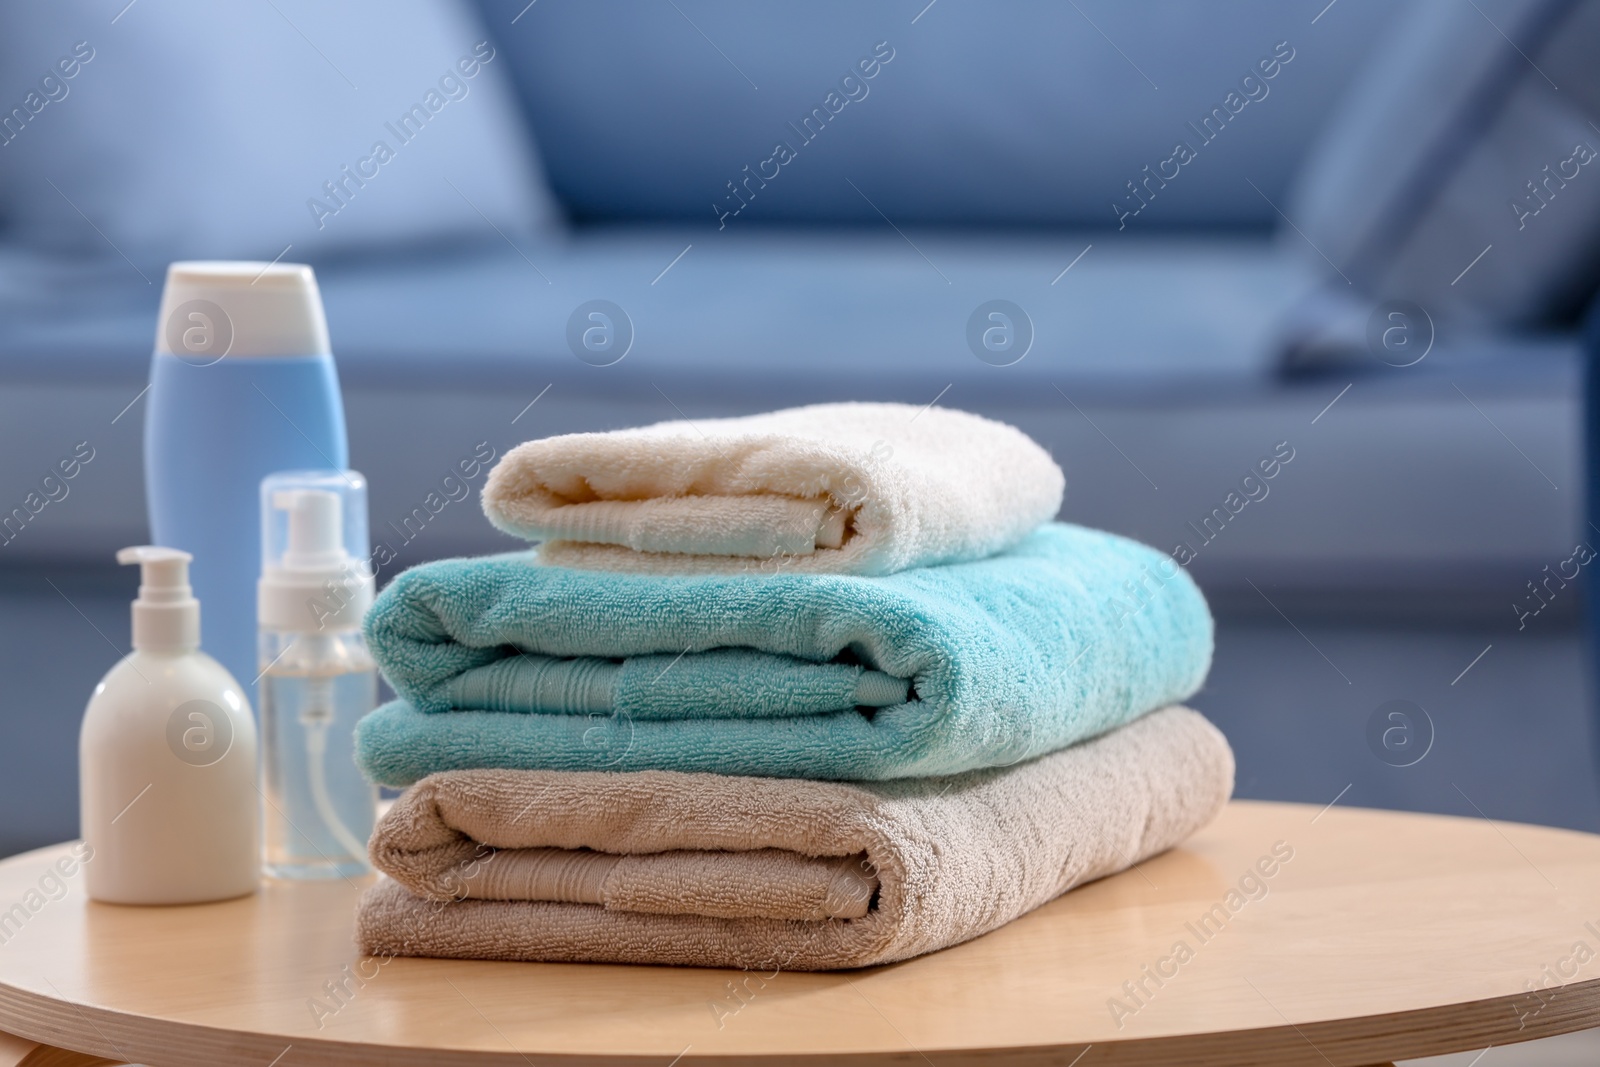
[[843, 488]]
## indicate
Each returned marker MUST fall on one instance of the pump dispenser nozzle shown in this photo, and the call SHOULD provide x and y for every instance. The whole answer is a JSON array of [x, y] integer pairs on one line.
[[314, 579], [166, 616], [315, 539]]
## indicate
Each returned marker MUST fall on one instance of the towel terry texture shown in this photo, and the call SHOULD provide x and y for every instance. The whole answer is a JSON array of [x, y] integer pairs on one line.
[[706, 870], [842, 488], [501, 663]]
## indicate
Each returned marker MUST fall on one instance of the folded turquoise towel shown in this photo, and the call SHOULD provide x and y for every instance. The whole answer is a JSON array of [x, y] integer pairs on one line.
[[503, 663]]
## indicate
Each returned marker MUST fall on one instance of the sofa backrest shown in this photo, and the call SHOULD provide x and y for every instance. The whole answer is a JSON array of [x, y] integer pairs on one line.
[[1016, 112]]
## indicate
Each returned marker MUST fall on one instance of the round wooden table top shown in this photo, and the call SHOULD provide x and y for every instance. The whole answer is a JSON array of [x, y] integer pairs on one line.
[[1281, 934]]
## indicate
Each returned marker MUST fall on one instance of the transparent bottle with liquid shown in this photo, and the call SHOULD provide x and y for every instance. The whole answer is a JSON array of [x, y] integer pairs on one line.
[[317, 678]]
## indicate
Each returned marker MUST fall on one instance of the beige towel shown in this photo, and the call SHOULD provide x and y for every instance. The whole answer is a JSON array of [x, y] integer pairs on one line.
[[715, 871], [841, 488]]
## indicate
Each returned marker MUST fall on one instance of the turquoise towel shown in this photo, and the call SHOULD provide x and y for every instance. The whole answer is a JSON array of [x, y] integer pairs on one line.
[[501, 662]]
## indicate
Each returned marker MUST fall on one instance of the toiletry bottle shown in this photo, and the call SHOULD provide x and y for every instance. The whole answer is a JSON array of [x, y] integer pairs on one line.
[[167, 758], [242, 384], [317, 679]]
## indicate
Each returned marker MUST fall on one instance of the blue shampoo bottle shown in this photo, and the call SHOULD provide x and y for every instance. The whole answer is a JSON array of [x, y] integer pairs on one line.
[[242, 384]]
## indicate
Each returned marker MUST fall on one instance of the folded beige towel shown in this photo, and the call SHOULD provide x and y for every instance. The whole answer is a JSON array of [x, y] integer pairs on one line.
[[716, 871], [842, 488]]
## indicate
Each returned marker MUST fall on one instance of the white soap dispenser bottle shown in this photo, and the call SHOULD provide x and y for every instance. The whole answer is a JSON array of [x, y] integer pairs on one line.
[[167, 758]]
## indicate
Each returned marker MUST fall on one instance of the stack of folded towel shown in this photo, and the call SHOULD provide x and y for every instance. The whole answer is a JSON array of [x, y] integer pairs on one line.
[[816, 689]]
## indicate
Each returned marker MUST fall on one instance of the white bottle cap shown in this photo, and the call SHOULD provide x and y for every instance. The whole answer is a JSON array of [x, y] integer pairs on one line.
[[211, 309], [166, 617], [312, 580]]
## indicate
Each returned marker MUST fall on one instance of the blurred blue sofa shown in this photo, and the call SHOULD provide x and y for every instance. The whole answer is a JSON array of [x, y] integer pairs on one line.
[[1199, 210]]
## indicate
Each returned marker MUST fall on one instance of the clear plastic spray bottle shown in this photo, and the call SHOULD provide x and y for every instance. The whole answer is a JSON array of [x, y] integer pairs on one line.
[[317, 679]]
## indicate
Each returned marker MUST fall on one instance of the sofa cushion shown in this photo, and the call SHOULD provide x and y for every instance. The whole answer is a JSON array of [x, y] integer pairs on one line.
[[189, 129], [748, 311], [1026, 112], [1463, 172]]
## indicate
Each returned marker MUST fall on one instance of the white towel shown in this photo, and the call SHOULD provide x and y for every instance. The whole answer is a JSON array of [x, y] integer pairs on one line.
[[841, 488]]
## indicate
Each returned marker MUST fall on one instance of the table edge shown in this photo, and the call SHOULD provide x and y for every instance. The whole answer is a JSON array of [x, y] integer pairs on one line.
[[1418, 1032]]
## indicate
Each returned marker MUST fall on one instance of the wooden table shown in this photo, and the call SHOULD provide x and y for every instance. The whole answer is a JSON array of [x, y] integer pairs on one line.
[[1385, 936]]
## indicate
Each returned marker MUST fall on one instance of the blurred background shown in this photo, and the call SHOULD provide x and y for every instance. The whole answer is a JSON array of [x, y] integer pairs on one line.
[[1358, 236]]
